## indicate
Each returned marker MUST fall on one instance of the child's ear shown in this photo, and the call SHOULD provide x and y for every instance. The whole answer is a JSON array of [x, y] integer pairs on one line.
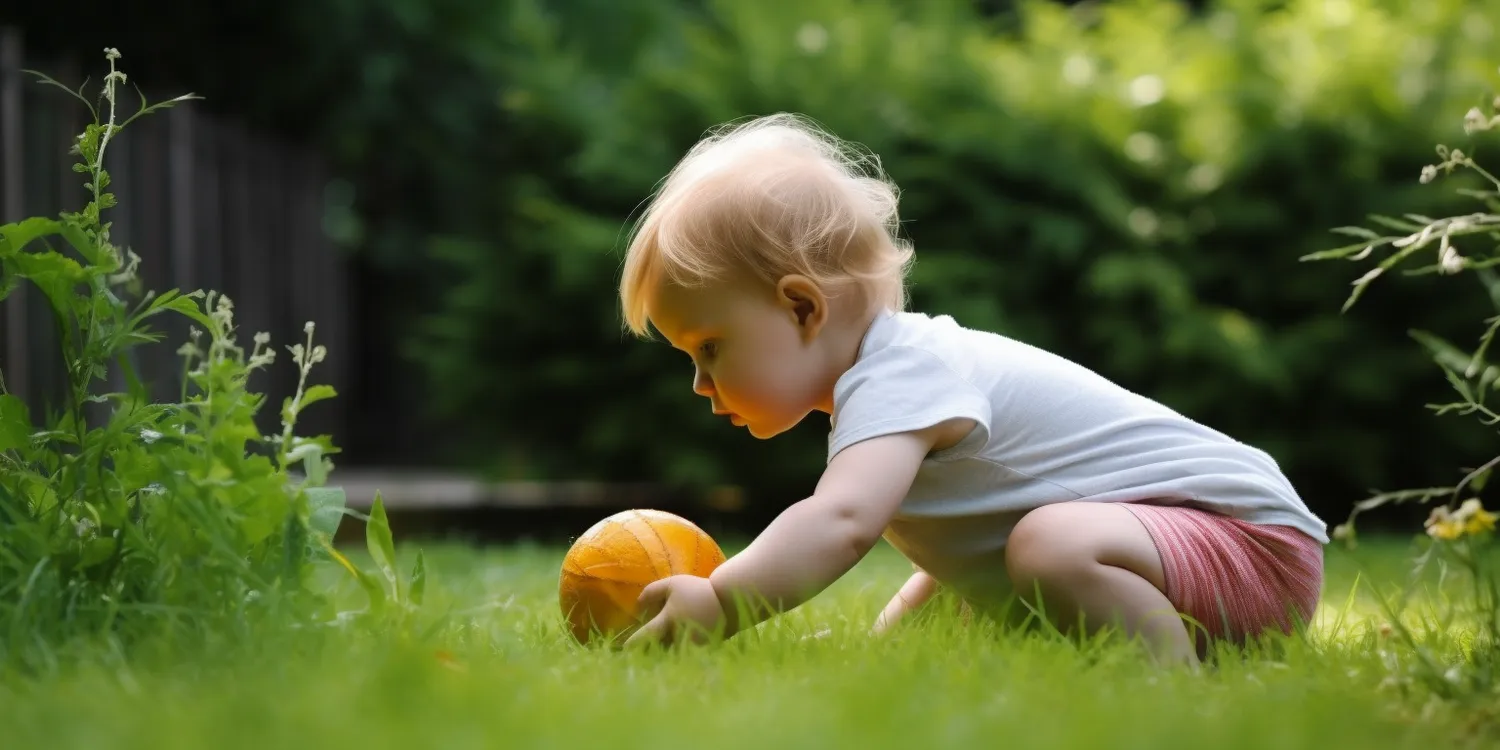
[[805, 302]]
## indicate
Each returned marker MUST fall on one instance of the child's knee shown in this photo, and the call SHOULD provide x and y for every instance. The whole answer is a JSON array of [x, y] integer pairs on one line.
[[1040, 553]]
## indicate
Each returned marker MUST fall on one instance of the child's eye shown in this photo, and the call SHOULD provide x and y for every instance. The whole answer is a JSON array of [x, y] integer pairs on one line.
[[708, 348]]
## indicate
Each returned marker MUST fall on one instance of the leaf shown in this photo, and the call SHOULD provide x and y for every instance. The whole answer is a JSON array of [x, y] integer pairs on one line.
[[310, 454], [15, 237], [157, 107], [132, 380], [186, 306], [418, 581], [366, 581], [325, 509], [382, 548], [1480, 479], [96, 551], [48, 80], [1360, 232], [1343, 251], [1396, 224], [1451, 358], [54, 273], [80, 241], [315, 394], [9, 279], [15, 423]]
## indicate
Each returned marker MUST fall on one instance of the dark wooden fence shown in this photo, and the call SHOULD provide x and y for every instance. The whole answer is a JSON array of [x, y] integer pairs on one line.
[[205, 203]]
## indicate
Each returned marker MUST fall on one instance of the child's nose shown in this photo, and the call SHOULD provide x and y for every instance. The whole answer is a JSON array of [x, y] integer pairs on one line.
[[703, 385]]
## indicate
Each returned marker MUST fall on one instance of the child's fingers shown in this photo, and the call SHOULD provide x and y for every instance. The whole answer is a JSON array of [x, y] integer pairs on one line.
[[653, 596], [652, 603], [652, 632]]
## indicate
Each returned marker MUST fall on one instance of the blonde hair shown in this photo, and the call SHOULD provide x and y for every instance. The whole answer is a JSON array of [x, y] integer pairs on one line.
[[772, 196]]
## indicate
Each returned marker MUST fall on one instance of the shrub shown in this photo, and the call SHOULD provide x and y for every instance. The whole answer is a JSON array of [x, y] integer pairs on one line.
[[1129, 184]]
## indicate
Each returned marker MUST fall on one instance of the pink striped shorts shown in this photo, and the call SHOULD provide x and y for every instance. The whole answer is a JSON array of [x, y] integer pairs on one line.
[[1235, 579]]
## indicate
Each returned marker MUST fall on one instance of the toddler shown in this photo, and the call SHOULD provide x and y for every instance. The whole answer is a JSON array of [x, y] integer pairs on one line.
[[770, 256]]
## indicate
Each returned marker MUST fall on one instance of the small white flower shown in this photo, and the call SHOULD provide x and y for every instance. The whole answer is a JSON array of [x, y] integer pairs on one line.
[[150, 436], [1449, 261], [262, 338], [1419, 239], [1429, 173], [110, 53], [308, 327], [1475, 121]]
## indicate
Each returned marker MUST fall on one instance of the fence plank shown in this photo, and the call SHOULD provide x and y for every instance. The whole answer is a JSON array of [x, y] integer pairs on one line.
[[13, 339]]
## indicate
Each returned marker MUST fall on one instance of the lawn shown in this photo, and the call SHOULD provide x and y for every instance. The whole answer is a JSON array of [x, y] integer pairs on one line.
[[500, 672]]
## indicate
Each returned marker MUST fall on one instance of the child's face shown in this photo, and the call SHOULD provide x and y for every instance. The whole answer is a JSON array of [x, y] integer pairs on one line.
[[755, 349]]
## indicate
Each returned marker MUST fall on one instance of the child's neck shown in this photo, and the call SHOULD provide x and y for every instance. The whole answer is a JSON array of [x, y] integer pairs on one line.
[[843, 337]]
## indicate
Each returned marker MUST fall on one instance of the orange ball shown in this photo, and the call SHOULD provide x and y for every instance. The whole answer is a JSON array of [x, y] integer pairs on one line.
[[608, 566]]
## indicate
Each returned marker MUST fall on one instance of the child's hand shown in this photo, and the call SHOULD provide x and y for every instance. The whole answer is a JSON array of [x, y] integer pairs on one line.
[[684, 606]]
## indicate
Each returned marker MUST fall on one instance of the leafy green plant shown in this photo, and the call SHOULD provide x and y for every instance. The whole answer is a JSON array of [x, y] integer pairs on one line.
[[390, 602], [121, 516], [1459, 530]]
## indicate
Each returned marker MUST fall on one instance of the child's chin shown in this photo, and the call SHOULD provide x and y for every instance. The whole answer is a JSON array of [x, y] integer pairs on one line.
[[763, 432]]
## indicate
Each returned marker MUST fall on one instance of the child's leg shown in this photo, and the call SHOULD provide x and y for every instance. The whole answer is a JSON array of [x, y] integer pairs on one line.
[[1097, 561]]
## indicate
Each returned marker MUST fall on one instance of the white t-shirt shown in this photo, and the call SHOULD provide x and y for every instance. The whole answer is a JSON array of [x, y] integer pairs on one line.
[[1047, 430]]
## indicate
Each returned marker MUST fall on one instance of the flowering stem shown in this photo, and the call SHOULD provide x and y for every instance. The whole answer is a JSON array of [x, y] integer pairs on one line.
[[109, 125], [1490, 464], [304, 360]]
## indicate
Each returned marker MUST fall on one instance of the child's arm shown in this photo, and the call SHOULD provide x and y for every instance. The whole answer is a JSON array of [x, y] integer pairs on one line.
[[916, 591], [816, 541], [805, 549]]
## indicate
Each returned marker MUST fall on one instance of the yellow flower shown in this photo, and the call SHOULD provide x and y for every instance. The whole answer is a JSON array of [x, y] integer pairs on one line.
[[1441, 524], [1480, 522], [1470, 518], [1446, 529]]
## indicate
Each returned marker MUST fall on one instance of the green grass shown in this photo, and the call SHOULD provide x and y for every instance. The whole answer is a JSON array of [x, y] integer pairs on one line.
[[515, 680]]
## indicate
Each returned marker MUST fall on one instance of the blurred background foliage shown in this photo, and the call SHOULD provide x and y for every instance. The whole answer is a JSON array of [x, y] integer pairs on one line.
[[1127, 183]]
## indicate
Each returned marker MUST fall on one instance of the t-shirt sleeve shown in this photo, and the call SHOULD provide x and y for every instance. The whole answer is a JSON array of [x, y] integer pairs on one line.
[[900, 389]]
